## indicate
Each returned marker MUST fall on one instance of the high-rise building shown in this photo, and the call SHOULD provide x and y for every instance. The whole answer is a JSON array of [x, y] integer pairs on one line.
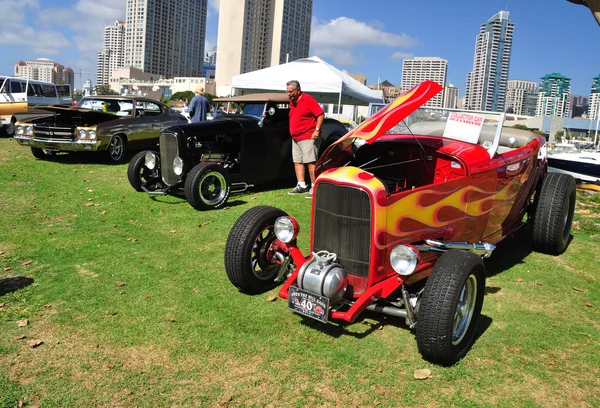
[[516, 96], [256, 34], [450, 97], [594, 108], [419, 69], [43, 69], [112, 55], [553, 96], [486, 84], [166, 37]]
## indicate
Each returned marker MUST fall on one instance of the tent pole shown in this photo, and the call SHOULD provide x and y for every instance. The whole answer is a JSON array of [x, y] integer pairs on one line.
[[339, 105]]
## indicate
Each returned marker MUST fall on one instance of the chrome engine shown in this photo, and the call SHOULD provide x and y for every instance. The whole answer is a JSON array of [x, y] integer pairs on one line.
[[323, 276]]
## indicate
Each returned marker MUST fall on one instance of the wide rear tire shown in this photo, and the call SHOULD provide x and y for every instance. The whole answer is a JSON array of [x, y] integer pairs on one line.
[[450, 307], [248, 255], [553, 213], [207, 186]]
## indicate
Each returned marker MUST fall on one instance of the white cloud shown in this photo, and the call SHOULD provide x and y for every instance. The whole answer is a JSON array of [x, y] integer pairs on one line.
[[347, 32], [339, 57], [213, 9], [399, 55]]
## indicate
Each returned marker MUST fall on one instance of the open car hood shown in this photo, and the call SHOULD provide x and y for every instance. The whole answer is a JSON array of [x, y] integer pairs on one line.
[[377, 125]]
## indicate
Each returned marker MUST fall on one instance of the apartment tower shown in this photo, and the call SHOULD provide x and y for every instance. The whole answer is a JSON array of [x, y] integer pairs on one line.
[[419, 69], [450, 96], [521, 97], [594, 109], [43, 69], [256, 34], [487, 83], [112, 55], [166, 37], [553, 96]]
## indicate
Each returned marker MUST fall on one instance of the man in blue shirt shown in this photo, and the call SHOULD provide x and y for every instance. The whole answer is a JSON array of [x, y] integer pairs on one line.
[[199, 106]]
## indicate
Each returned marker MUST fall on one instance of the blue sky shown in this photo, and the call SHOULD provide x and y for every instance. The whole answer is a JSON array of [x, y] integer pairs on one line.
[[357, 35]]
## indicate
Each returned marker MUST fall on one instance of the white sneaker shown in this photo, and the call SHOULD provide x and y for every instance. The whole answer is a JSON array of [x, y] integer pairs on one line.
[[309, 194], [298, 190]]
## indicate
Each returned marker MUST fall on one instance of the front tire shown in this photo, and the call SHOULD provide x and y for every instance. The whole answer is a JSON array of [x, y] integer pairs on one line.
[[450, 307], [42, 154], [248, 255], [553, 216], [138, 173], [207, 186], [9, 129], [116, 149]]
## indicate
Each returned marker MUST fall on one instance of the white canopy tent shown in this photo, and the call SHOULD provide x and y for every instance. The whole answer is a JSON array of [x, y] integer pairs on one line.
[[323, 81]]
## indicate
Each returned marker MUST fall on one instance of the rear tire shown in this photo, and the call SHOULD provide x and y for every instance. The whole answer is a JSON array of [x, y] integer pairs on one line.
[[138, 173], [553, 213], [450, 307], [42, 154], [207, 186], [247, 255]]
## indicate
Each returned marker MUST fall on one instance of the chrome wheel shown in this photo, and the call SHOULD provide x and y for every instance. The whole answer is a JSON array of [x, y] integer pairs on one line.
[[464, 310], [213, 188], [116, 148], [262, 254]]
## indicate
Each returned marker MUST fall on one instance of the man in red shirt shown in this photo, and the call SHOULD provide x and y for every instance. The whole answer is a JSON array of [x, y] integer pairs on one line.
[[306, 119]]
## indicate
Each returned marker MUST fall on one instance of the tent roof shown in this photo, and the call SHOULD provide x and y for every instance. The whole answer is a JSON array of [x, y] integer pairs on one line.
[[318, 78], [257, 97]]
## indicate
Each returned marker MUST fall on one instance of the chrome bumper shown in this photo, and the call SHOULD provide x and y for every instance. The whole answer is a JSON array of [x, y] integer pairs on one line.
[[59, 144]]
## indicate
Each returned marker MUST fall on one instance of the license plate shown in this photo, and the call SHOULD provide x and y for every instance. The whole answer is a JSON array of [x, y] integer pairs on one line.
[[308, 304], [50, 146]]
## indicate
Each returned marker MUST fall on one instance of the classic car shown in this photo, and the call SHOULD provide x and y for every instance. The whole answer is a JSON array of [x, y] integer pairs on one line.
[[113, 124], [248, 142], [405, 207]]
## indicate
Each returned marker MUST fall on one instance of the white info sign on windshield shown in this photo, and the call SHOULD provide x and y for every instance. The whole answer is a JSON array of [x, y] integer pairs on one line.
[[463, 126]]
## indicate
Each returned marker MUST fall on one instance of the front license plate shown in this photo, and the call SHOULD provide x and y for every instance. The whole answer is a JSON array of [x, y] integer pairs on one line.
[[308, 304], [51, 146]]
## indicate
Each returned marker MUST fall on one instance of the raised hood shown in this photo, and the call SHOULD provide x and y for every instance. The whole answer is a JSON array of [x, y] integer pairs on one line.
[[378, 125]]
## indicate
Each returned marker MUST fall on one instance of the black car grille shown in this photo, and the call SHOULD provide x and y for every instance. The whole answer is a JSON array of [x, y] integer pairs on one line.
[[53, 132], [168, 151], [342, 224]]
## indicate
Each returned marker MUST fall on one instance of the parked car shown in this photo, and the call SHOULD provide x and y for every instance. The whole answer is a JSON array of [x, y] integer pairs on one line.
[[113, 124], [248, 142], [404, 209]]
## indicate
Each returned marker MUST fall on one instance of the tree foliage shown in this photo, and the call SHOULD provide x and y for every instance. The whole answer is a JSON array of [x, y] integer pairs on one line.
[[105, 90], [183, 96]]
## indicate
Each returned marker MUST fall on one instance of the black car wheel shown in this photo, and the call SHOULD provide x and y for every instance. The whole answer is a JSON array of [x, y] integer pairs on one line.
[[553, 213], [138, 173], [116, 149], [450, 307], [249, 259], [207, 186], [10, 128], [42, 154]]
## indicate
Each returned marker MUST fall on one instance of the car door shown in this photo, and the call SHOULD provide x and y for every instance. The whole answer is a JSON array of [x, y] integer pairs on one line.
[[278, 142], [141, 127]]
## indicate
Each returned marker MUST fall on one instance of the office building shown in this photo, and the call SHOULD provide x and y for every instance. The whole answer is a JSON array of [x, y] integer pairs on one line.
[[553, 95], [43, 69], [166, 37], [259, 34], [594, 108], [516, 97], [450, 96], [112, 55], [487, 83], [419, 69]]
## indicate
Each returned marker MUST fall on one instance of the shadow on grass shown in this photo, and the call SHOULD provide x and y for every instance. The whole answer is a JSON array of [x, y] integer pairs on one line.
[[86, 158], [510, 252], [8, 285]]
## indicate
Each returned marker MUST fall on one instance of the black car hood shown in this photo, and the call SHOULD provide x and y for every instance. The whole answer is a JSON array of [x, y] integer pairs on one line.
[[77, 116]]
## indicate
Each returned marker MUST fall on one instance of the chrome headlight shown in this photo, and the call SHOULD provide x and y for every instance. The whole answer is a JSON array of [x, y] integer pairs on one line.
[[82, 133], [178, 165], [29, 130], [404, 259], [150, 160], [286, 229], [92, 134], [20, 130]]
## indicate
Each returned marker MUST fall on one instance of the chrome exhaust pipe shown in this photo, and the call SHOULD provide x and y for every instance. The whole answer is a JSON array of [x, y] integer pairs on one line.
[[483, 249]]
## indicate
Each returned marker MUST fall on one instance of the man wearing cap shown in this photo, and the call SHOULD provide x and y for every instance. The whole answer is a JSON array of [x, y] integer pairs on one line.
[[199, 106], [306, 120]]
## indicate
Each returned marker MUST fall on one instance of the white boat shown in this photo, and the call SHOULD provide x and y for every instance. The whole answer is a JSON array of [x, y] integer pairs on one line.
[[583, 165]]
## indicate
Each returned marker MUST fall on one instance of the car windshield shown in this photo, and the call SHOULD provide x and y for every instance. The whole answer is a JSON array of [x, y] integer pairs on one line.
[[120, 107], [254, 109]]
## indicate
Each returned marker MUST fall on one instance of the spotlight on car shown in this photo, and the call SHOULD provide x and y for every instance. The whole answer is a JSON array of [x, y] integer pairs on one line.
[[20, 130], [150, 160], [82, 134], [404, 259], [286, 229], [178, 165]]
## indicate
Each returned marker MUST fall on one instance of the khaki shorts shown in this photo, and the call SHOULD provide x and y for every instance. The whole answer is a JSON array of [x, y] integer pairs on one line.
[[304, 151]]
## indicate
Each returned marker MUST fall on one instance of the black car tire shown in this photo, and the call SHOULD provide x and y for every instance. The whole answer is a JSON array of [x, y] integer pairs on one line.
[[331, 132], [450, 307], [9, 130], [247, 257], [116, 149], [554, 205], [207, 186], [138, 173], [42, 154]]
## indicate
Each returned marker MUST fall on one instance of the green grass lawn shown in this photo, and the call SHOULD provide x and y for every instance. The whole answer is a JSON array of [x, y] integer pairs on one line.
[[129, 297]]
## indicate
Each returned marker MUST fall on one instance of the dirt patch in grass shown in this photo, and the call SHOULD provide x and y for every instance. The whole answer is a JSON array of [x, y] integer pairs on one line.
[[86, 272]]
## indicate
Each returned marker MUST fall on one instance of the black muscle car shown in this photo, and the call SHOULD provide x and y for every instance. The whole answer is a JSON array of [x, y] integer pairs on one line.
[[113, 124], [230, 153]]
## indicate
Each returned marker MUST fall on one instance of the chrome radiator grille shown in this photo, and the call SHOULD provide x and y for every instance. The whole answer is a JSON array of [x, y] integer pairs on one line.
[[53, 132], [342, 224], [168, 151]]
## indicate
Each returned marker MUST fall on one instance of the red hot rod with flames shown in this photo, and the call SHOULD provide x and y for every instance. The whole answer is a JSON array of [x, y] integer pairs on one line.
[[404, 208]]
